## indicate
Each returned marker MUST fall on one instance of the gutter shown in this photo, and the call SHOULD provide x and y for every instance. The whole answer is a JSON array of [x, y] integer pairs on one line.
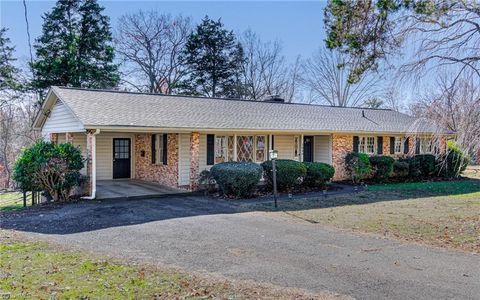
[[94, 167]]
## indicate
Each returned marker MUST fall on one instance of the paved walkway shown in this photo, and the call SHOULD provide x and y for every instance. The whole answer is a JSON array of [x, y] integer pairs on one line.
[[211, 236]]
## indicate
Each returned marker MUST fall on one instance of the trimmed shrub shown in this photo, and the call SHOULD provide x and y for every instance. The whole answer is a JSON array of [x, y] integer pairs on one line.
[[414, 169], [400, 169], [206, 181], [237, 179], [358, 166], [318, 174], [454, 162], [427, 165], [382, 167], [290, 173], [54, 168]]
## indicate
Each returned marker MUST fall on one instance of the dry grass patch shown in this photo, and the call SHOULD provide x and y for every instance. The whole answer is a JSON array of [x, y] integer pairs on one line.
[[33, 270], [443, 214]]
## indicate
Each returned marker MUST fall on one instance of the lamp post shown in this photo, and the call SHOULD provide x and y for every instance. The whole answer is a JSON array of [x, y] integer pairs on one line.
[[273, 157]]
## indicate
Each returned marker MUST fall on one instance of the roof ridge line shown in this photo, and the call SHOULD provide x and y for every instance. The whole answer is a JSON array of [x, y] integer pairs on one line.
[[217, 98]]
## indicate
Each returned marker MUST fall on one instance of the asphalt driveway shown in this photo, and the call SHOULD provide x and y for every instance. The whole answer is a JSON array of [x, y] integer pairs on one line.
[[213, 236]]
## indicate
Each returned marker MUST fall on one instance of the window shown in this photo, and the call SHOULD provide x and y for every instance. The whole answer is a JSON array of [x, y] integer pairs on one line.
[[159, 148], [221, 152], [245, 148], [398, 145], [366, 144], [426, 145], [297, 149], [260, 148]]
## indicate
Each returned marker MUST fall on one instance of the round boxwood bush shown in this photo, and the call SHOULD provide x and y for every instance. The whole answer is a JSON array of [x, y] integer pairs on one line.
[[358, 166], [237, 179], [318, 174], [400, 169], [290, 173], [414, 168], [382, 167]]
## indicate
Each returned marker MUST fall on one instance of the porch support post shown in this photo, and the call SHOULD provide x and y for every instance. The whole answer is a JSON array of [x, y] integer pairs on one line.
[[234, 147], [301, 147], [53, 137], [194, 160], [91, 164]]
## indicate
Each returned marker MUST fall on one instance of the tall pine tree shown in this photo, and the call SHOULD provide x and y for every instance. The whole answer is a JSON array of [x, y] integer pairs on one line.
[[214, 59], [8, 72], [75, 48]]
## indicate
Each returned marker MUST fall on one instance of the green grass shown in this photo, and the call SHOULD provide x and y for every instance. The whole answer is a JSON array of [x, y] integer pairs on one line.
[[438, 187], [443, 214], [12, 201], [33, 270]]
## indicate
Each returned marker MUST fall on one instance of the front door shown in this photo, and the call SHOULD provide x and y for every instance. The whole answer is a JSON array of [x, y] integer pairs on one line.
[[121, 158], [308, 148]]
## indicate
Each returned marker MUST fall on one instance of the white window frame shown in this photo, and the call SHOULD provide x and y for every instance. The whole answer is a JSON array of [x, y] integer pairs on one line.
[[398, 140], [362, 144], [265, 147], [159, 149], [223, 148], [235, 151], [426, 143]]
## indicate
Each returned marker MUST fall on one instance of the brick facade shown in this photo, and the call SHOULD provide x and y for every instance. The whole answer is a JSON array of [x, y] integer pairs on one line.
[[159, 173], [194, 160], [53, 137], [341, 145], [87, 186]]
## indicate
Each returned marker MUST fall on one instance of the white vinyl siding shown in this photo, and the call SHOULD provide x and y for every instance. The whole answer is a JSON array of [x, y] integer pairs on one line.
[[104, 143], [285, 145], [322, 149], [60, 120], [184, 159]]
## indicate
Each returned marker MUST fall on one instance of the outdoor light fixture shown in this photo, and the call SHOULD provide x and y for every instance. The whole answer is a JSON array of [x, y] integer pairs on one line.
[[273, 157]]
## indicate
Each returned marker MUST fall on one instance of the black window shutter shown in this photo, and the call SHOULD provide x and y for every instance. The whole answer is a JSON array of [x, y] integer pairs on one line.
[[379, 144], [210, 149], [406, 145], [392, 145], [165, 149], [154, 137], [355, 144], [417, 146], [273, 142]]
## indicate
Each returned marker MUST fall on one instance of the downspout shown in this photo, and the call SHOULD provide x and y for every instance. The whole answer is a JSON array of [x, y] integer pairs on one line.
[[94, 167]]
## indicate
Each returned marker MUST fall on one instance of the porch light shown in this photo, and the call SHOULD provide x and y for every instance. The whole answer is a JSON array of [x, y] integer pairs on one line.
[[273, 154]]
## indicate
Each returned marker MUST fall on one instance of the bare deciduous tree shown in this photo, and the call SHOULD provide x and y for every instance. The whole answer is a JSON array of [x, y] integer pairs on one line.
[[456, 107], [266, 71], [327, 80], [149, 46]]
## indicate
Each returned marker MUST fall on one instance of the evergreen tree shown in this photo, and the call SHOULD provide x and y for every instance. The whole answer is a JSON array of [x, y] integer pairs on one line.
[[214, 59], [8, 72], [75, 47]]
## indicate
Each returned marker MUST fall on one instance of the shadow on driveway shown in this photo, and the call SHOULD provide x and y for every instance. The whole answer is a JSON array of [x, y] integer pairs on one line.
[[93, 215]]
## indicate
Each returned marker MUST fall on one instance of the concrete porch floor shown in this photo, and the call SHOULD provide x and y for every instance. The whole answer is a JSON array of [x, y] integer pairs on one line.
[[132, 188]]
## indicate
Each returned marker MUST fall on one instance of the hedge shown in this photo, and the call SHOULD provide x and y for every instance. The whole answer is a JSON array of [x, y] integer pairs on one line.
[[237, 179], [382, 167], [358, 166], [290, 173], [318, 174]]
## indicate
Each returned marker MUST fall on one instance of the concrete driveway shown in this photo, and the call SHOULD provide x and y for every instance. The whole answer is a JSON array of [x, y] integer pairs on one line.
[[207, 235]]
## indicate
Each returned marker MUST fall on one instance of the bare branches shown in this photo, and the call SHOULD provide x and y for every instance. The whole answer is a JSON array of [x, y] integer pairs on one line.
[[149, 45], [325, 77]]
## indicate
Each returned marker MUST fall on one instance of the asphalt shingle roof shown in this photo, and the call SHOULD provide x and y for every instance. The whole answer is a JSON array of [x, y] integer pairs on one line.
[[124, 109]]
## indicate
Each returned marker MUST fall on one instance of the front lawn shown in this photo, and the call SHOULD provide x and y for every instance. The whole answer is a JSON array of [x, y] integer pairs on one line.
[[12, 201], [443, 214], [33, 270]]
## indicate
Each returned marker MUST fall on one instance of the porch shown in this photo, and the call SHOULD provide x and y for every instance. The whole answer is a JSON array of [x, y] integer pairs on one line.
[[134, 188]]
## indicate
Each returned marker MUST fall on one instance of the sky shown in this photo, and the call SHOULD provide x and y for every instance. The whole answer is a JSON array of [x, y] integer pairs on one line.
[[299, 25]]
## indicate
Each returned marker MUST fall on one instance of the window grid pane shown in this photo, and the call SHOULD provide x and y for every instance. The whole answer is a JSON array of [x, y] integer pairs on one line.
[[244, 148], [260, 152]]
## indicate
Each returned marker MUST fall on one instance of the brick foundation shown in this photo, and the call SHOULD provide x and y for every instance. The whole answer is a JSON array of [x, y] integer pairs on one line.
[[159, 173]]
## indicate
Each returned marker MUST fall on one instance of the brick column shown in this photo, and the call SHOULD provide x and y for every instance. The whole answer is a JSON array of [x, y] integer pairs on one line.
[[341, 145], [194, 159], [53, 137]]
